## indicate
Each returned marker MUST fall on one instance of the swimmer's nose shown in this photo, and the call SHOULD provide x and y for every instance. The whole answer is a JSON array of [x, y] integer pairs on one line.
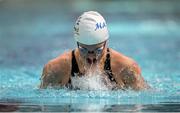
[[91, 60], [90, 52], [91, 56]]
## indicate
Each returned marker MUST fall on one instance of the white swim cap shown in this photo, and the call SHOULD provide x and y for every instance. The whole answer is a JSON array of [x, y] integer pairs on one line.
[[90, 28]]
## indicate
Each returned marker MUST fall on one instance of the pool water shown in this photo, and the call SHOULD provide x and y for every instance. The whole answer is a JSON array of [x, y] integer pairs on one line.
[[26, 44]]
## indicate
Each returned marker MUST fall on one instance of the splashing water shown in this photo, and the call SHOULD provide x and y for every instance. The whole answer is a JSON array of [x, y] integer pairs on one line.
[[92, 80]]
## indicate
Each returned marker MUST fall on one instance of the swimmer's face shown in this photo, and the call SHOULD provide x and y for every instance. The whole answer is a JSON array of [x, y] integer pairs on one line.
[[91, 52]]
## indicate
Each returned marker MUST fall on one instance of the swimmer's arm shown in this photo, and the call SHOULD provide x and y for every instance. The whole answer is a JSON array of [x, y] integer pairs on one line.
[[53, 76], [56, 72], [132, 78], [48, 77]]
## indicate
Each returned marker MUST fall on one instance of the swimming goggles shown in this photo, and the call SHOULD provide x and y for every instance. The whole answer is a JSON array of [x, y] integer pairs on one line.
[[97, 51]]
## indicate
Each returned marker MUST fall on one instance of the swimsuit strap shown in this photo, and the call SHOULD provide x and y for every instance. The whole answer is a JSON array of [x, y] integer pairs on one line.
[[107, 66], [74, 69]]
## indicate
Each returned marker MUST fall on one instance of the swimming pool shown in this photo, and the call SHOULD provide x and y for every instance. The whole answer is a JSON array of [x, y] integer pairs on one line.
[[25, 46]]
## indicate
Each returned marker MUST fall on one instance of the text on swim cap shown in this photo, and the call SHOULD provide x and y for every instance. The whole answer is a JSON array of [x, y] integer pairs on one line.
[[100, 25]]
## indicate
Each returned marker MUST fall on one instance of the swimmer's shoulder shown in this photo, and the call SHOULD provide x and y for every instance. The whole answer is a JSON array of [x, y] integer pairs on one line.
[[57, 70], [127, 70], [63, 61], [121, 60]]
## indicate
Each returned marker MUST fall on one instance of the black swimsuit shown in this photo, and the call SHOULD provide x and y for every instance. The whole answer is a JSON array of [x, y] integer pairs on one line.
[[75, 68]]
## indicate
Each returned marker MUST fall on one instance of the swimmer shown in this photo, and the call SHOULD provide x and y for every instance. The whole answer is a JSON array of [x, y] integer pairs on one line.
[[91, 35]]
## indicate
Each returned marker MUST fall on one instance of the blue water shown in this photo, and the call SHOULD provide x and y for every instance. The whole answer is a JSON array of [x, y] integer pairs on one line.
[[28, 40]]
